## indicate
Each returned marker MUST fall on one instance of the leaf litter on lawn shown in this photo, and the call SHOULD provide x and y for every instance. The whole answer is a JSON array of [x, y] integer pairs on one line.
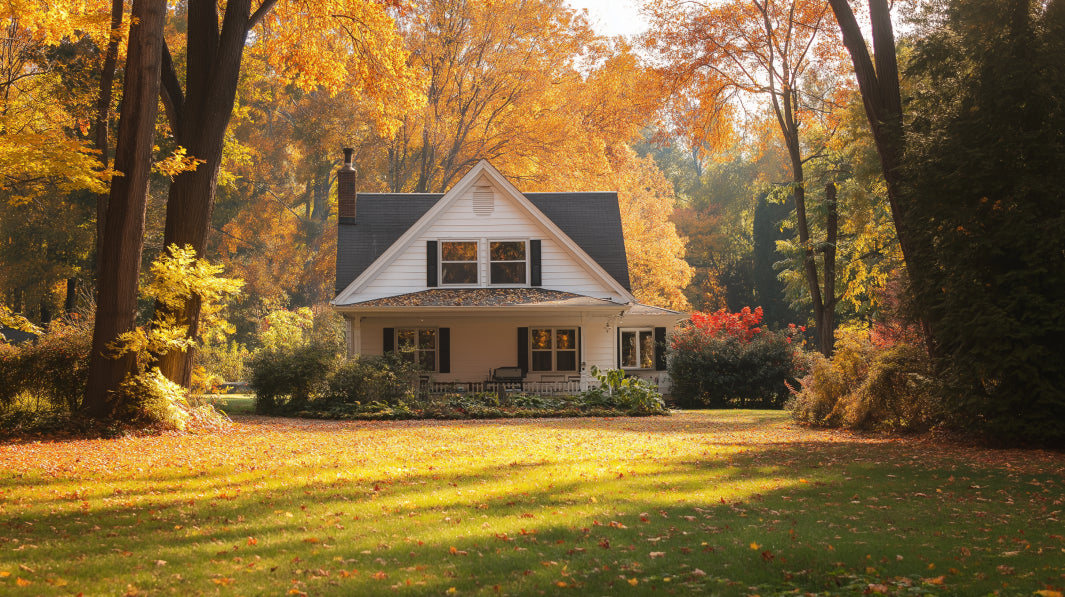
[[724, 502]]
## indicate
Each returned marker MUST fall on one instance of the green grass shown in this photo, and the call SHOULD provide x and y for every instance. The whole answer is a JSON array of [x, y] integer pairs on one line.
[[234, 404], [722, 503]]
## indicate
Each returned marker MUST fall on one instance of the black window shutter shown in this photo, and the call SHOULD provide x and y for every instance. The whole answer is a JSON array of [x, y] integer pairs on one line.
[[444, 350], [430, 264], [578, 350], [660, 349], [535, 272], [523, 350], [388, 340]]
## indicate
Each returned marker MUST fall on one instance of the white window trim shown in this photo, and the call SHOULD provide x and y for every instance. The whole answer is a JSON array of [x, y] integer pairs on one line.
[[554, 351], [435, 350], [489, 262], [654, 349], [440, 262]]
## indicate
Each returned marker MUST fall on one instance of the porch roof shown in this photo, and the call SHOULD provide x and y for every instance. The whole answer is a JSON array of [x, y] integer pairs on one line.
[[484, 297]]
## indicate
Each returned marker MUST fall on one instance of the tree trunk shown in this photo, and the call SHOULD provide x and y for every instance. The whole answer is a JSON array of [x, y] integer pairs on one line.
[[103, 109], [212, 74], [881, 97], [123, 239], [827, 331], [72, 296]]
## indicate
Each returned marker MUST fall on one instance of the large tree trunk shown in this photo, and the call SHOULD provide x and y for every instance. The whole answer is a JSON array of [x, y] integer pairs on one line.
[[882, 99], [123, 238], [212, 74]]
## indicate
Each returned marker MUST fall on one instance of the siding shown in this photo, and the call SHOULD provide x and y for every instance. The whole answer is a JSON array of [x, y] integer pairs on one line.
[[507, 221]]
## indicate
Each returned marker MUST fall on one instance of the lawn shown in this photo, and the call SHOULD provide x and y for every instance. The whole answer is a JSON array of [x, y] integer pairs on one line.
[[723, 503]]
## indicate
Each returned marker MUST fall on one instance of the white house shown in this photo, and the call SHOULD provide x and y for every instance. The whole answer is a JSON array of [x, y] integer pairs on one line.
[[486, 282]]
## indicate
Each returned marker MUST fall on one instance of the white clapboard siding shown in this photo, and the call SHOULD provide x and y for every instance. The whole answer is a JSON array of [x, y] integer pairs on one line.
[[560, 269]]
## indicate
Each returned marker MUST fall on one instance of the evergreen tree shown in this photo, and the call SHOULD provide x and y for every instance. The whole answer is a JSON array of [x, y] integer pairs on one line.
[[985, 172]]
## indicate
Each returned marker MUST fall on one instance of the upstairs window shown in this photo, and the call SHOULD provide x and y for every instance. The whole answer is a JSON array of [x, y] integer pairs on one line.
[[458, 262], [507, 262]]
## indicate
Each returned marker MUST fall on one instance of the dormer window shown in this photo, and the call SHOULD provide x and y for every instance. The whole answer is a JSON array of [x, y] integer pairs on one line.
[[508, 261], [458, 263]]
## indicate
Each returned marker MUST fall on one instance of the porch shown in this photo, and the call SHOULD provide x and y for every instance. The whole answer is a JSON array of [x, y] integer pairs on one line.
[[568, 387]]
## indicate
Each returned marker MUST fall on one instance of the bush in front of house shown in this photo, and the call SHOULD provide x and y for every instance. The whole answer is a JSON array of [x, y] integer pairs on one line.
[[869, 384], [311, 381], [629, 394], [287, 378], [727, 360], [366, 379]]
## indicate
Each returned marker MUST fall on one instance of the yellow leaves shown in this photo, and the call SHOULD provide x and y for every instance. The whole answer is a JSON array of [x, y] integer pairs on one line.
[[633, 581], [176, 163], [38, 159], [755, 546], [1048, 593], [654, 249], [23, 582]]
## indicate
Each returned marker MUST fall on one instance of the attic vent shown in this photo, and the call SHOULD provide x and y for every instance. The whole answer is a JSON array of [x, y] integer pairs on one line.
[[483, 201]]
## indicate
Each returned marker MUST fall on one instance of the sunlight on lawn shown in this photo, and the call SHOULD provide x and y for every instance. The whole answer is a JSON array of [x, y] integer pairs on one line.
[[719, 502]]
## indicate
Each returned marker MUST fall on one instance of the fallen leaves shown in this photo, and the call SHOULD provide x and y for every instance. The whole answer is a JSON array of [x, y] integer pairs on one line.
[[700, 490]]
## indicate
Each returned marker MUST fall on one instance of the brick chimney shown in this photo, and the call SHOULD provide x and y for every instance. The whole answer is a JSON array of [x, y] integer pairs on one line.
[[346, 189]]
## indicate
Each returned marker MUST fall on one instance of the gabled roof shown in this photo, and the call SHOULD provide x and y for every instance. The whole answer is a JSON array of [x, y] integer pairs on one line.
[[591, 220]]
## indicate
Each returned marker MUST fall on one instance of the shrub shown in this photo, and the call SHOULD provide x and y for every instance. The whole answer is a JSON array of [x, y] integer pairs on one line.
[[224, 359], [868, 386], [287, 378], [630, 394], [725, 359], [387, 379], [48, 374]]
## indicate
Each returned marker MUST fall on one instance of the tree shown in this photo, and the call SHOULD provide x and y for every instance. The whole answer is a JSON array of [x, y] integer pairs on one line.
[[310, 44], [541, 112], [123, 241], [655, 252], [984, 173], [721, 52], [881, 96]]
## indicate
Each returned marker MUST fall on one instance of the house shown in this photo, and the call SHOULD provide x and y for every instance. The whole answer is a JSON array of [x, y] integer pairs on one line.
[[485, 282]]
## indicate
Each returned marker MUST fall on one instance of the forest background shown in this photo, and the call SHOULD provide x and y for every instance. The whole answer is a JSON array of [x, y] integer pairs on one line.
[[735, 133]]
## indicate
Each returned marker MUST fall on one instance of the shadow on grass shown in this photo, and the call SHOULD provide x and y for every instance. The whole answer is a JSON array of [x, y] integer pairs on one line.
[[828, 517]]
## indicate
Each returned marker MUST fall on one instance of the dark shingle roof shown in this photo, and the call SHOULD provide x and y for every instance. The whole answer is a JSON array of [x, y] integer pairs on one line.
[[592, 220], [486, 297]]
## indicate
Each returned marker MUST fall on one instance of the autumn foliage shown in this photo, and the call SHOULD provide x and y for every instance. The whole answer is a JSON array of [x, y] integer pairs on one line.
[[726, 359]]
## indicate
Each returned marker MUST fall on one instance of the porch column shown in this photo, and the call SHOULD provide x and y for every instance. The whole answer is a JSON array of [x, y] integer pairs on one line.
[[354, 335]]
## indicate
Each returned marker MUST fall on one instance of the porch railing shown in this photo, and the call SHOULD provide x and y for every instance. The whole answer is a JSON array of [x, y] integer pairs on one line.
[[542, 388]]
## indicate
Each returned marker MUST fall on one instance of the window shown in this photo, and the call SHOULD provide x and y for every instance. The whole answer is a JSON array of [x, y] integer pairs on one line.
[[553, 349], [638, 349], [418, 345], [458, 262], [507, 262]]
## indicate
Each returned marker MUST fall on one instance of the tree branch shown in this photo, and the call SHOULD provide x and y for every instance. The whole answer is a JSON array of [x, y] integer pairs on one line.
[[173, 98]]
